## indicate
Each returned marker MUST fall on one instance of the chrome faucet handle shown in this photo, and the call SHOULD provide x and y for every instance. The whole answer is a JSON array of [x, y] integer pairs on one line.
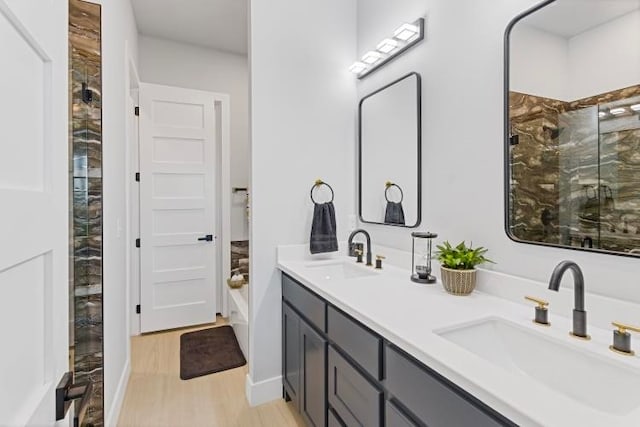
[[622, 338], [542, 313]]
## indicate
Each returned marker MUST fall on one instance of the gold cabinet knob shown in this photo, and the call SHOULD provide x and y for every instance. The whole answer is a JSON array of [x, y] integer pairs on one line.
[[542, 314]]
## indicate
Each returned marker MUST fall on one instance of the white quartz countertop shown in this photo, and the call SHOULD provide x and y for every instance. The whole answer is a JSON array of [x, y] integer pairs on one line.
[[409, 314]]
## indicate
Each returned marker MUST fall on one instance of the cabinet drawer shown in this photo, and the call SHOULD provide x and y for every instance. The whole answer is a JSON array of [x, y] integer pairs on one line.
[[358, 342], [354, 399], [395, 417], [303, 300], [332, 419], [432, 398]]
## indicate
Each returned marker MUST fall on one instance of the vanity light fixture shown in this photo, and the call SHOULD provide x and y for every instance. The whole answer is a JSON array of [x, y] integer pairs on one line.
[[635, 107], [358, 67], [406, 32], [404, 37], [618, 111], [387, 46], [372, 57]]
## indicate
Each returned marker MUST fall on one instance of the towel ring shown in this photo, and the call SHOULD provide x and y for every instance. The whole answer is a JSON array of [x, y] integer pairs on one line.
[[319, 183], [388, 185]]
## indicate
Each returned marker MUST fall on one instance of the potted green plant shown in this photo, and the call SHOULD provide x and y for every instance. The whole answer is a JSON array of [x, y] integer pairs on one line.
[[458, 266]]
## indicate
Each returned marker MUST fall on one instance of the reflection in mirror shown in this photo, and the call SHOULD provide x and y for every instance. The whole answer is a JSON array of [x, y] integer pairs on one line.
[[573, 126], [390, 138]]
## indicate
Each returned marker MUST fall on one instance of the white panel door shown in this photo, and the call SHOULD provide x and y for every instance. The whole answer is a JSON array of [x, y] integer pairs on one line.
[[177, 198], [34, 288]]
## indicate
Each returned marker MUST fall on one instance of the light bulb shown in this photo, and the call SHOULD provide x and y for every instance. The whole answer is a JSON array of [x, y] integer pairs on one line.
[[358, 67], [371, 57], [406, 32], [387, 46]]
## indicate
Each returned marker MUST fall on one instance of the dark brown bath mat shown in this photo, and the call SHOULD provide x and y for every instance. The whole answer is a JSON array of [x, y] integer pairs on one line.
[[209, 350]]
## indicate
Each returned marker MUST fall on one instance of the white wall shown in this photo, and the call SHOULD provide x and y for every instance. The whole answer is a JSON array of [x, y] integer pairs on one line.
[[302, 128], [603, 59], [183, 65], [539, 63], [461, 63], [118, 30], [593, 62]]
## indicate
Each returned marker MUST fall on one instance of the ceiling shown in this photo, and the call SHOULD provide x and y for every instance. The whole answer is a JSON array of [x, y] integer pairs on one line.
[[215, 24], [568, 18]]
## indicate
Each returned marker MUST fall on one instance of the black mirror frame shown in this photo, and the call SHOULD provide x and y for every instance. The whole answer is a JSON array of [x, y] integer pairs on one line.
[[507, 146], [418, 156]]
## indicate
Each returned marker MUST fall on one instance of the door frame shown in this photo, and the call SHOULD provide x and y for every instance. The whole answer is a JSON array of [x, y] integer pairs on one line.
[[132, 87], [222, 198]]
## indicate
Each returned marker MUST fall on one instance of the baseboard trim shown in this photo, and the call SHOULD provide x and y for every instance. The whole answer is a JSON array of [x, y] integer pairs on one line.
[[114, 412], [263, 391]]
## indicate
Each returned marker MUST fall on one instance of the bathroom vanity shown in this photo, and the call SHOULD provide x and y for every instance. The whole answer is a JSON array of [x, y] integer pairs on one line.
[[369, 347], [336, 368]]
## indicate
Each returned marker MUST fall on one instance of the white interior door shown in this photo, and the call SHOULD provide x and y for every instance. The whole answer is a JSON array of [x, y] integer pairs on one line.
[[34, 251], [177, 207]]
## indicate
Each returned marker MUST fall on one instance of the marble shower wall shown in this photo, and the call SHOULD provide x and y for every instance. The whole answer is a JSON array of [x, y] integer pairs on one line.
[[575, 173], [85, 148], [535, 168], [240, 257]]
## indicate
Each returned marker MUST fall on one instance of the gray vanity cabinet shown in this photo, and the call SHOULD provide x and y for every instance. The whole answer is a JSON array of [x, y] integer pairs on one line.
[[291, 354], [340, 373], [432, 399], [313, 389], [359, 343], [332, 419], [355, 399], [304, 366], [304, 353], [396, 417]]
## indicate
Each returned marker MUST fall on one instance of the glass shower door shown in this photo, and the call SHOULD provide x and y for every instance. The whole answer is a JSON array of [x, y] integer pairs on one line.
[[579, 178]]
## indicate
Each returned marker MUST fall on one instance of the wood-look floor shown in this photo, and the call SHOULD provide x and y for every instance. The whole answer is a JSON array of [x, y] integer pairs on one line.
[[156, 396]]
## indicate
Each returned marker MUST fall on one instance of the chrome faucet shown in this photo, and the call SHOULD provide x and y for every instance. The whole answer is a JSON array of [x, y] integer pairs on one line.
[[360, 230], [579, 313]]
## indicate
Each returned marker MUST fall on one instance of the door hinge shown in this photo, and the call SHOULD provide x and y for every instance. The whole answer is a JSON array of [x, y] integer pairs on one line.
[[137, 243], [87, 94], [137, 176], [136, 111], [138, 309], [514, 139]]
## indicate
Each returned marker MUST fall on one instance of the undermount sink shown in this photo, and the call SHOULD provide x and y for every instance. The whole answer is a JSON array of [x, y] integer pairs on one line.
[[339, 270], [591, 379]]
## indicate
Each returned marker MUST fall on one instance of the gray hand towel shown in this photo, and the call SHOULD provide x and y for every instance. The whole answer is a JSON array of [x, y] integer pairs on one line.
[[394, 214], [323, 229]]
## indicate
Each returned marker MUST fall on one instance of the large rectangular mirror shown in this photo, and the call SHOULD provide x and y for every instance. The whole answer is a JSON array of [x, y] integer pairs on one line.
[[572, 125], [390, 154]]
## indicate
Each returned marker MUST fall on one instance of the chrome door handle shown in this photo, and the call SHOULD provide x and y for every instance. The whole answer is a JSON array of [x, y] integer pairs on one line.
[[207, 238]]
